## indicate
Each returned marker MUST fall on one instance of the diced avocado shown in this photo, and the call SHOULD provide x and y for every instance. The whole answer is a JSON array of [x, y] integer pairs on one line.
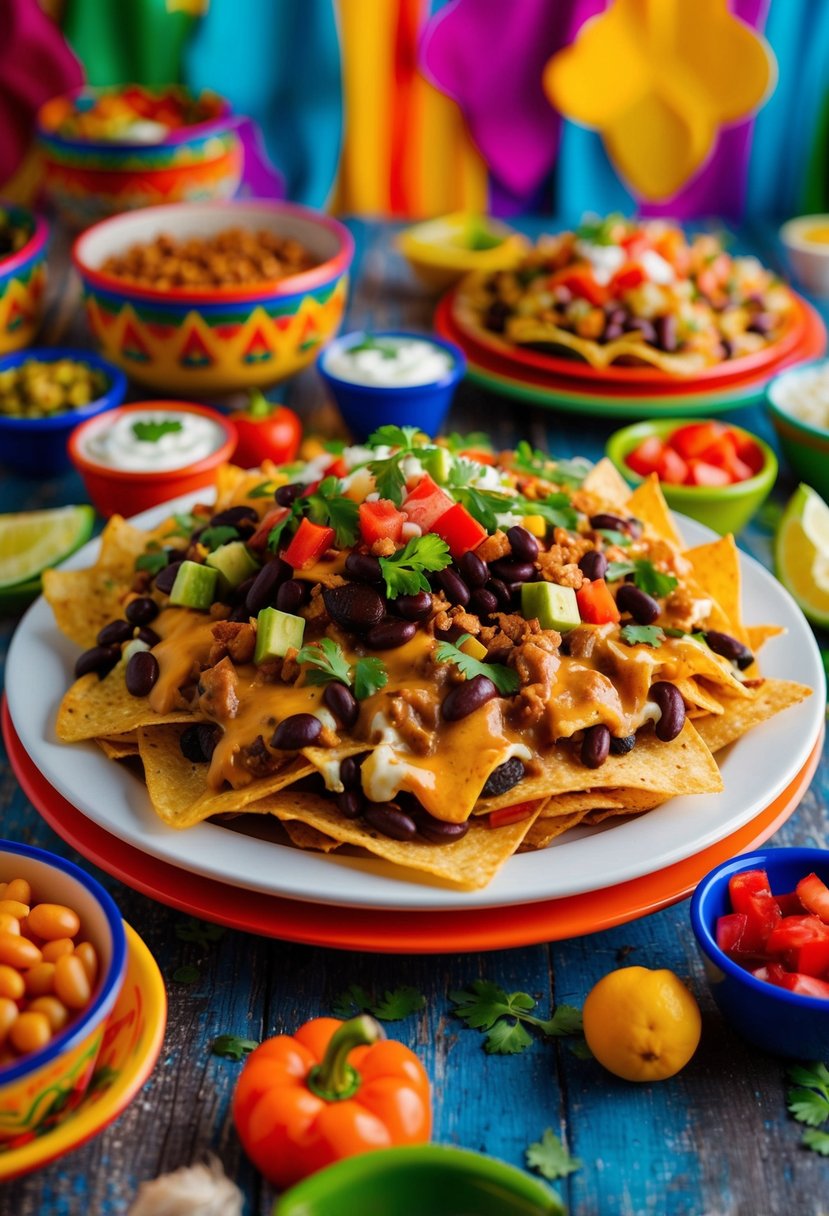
[[195, 586], [438, 464], [234, 563], [555, 607], [276, 633]]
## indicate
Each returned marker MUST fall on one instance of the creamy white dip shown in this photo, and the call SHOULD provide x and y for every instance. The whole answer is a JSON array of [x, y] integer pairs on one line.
[[390, 362], [806, 396], [153, 441]]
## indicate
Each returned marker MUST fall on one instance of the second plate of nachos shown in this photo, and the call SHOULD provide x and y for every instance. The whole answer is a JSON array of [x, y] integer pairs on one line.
[[571, 721]]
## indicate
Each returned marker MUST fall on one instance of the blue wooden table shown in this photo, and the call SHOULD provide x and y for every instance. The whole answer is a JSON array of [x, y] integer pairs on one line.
[[714, 1141]]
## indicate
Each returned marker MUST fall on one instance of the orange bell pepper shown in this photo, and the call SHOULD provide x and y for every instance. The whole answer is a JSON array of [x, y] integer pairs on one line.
[[333, 1089]]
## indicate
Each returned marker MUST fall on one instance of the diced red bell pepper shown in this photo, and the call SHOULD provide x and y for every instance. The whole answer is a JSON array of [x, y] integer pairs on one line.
[[596, 604], [634, 243], [269, 520], [793, 981], [308, 544], [789, 904], [337, 468], [630, 276], [702, 474], [582, 283], [693, 438], [730, 930], [380, 520], [751, 895], [459, 529], [671, 468], [643, 459], [511, 814], [813, 893], [426, 502]]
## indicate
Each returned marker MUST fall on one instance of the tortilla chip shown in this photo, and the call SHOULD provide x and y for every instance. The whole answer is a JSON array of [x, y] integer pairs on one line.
[[739, 716], [94, 708], [717, 571], [758, 635], [606, 482], [544, 831], [119, 748], [305, 837], [647, 502], [693, 693]]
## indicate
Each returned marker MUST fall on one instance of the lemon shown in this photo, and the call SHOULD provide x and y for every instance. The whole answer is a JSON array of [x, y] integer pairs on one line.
[[641, 1025], [33, 540], [801, 553]]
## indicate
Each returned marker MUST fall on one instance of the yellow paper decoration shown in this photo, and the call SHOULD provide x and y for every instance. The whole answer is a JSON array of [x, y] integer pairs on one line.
[[657, 79]]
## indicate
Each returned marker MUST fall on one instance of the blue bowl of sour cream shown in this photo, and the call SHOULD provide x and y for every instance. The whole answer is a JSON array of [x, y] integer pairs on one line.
[[394, 376]]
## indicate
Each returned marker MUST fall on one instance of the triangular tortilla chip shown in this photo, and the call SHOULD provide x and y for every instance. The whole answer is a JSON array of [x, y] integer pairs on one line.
[[647, 502], [717, 571], [94, 708], [606, 482], [740, 716]]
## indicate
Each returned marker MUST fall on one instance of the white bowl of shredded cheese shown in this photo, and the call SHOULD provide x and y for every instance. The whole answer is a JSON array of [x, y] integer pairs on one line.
[[798, 402]]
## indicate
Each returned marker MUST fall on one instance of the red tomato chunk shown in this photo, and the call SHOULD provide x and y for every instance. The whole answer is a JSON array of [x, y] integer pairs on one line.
[[698, 454], [781, 939]]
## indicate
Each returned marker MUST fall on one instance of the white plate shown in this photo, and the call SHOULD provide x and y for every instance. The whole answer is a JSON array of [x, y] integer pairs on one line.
[[755, 770]]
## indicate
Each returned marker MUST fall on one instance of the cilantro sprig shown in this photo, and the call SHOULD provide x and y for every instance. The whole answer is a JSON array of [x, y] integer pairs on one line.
[[152, 560], [213, 538], [405, 571], [550, 1158], [231, 1047], [645, 575], [389, 479], [808, 1101], [528, 459], [183, 524], [504, 1016], [504, 678], [642, 635], [457, 443], [152, 431], [328, 507], [393, 1006], [264, 490], [327, 662], [287, 524]]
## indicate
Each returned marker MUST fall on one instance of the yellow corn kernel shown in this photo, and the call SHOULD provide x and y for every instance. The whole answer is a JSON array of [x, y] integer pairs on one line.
[[474, 649], [535, 524]]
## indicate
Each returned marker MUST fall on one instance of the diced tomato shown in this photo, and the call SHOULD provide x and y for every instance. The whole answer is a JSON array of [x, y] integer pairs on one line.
[[582, 283], [789, 904], [337, 468], [702, 474], [380, 520], [751, 895], [671, 468], [308, 544], [511, 814], [795, 931], [630, 276], [426, 502], [723, 455], [644, 458], [459, 529], [596, 604], [749, 452], [813, 893], [693, 438], [730, 930], [269, 520], [794, 981], [812, 958], [634, 243]]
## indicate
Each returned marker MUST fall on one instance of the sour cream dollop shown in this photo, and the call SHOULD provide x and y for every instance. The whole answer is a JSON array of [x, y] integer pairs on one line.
[[389, 362], [153, 441]]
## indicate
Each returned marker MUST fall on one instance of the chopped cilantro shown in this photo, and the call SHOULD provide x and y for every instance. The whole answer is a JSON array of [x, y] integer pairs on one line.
[[288, 522], [264, 490], [555, 510], [595, 230], [212, 538], [151, 561], [642, 635], [370, 676], [614, 538], [670, 632], [327, 662], [393, 1006], [328, 507], [404, 570], [388, 475], [549, 1157], [151, 432], [457, 443], [645, 575], [402, 437], [183, 524], [231, 1047], [487, 1007], [531, 460], [504, 678]]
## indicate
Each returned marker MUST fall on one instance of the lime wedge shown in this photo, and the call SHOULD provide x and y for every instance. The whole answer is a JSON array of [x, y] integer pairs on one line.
[[33, 540], [801, 553]]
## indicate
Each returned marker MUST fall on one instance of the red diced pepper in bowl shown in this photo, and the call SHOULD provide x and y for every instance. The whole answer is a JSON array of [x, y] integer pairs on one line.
[[698, 454]]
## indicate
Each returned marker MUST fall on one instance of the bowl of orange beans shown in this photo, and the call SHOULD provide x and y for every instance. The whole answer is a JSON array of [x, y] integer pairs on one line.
[[62, 965]]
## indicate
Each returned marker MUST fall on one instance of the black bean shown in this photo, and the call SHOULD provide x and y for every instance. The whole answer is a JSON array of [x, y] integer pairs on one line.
[[729, 648], [233, 516], [613, 330], [141, 611], [165, 578], [483, 602], [645, 328], [616, 314], [501, 592], [620, 745], [145, 634], [642, 607], [363, 567], [142, 673], [390, 633], [727, 348], [413, 607], [198, 742], [672, 710], [387, 818], [635, 527], [464, 699], [100, 659], [292, 595], [350, 804], [350, 772], [495, 318], [453, 586], [239, 614], [604, 520], [300, 730], [523, 544], [209, 736], [762, 323], [115, 633], [342, 703], [473, 571], [240, 593], [504, 777], [266, 584], [438, 831], [286, 495], [595, 746], [513, 572], [593, 565], [666, 337], [354, 605]]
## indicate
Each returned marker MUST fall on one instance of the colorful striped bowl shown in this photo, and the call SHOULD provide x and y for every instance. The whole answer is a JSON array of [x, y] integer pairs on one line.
[[23, 283]]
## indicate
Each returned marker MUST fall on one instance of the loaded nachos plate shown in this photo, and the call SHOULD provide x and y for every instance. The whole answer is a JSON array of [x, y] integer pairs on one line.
[[461, 786]]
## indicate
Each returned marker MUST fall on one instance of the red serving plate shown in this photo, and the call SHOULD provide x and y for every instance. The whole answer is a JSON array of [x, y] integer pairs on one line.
[[391, 932]]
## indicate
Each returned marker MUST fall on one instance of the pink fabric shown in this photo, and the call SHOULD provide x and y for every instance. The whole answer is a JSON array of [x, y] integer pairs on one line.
[[35, 64]]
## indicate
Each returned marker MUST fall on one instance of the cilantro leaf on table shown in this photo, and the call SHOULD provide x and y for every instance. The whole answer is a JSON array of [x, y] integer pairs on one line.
[[642, 635], [404, 571], [549, 1157], [328, 507], [504, 678], [393, 1006], [327, 662], [202, 932], [565, 1020], [645, 575], [817, 1141], [507, 1039], [350, 1002], [809, 1101], [151, 432], [264, 490], [504, 1016], [152, 561], [213, 538], [188, 974], [483, 1003], [231, 1047]]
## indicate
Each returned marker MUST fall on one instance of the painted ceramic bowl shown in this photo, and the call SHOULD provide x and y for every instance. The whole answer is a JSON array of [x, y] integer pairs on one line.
[[805, 445], [22, 282], [782, 1022], [365, 406], [806, 241], [41, 1089], [723, 508], [128, 491], [97, 168], [442, 251], [197, 343], [413, 1181], [37, 447]]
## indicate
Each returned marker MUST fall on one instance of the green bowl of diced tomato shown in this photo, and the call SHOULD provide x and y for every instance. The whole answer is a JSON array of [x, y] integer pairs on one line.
[[717, 473]]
